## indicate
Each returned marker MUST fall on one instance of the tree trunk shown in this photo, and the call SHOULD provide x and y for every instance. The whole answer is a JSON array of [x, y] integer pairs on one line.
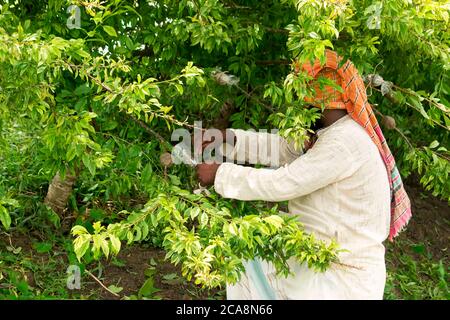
[[59, 192]]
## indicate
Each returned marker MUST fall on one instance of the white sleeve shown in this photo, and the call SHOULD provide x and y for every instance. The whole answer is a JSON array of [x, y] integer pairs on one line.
[[268, 149], [325, 163]]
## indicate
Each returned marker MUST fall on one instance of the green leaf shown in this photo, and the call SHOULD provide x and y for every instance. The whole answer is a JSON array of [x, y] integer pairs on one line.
[[81, 245], [42, 247], [144, 229], [79, 230], [10, 202], [53, 217], [148, 288], [203, 219], [415, 101], [89, 163], [274, 220], [174, 180], [194, 212], [82, 89], [434, 144], [105, 247], [170, 276], [152, 262], [109, 125], [115, 243], [179, 88], [172, 279], [418, 248], [5, 218], [150, 272], [71, 153], [115, 289], [110, 30]]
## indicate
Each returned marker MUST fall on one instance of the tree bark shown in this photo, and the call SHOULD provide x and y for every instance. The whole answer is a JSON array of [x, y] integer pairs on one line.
[[59, 192]]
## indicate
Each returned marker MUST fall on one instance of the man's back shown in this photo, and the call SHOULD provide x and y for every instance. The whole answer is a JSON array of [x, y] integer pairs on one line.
[[356, 209]]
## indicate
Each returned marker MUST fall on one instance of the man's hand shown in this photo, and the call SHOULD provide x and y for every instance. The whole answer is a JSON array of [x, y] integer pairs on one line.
[[309, 143], [206, 173]]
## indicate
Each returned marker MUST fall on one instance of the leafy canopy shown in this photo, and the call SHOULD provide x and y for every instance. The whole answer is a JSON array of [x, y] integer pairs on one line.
[[101, 101]]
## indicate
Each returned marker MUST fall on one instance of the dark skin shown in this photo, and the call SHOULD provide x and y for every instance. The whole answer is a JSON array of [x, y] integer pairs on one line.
[[331, 116], [206, 173]]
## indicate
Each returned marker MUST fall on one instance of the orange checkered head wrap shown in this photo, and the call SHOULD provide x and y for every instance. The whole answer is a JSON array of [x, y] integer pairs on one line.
[[353, 98]]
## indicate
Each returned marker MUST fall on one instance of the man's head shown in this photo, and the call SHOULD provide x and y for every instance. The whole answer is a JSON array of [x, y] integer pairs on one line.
[[327, 96]]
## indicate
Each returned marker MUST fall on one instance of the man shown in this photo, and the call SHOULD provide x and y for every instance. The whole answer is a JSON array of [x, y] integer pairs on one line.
[[345, 187]]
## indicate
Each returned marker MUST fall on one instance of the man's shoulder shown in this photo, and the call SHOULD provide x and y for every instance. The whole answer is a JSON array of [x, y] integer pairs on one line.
[[348, 132]]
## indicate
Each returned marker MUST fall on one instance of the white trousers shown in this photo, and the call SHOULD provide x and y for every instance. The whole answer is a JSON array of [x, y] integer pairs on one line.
[[260, 282]]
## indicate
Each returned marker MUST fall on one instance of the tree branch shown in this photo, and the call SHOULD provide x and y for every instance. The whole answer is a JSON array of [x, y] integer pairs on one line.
[[273, 62], [392, 99], [101, 284], [144, 126], [409, 141]]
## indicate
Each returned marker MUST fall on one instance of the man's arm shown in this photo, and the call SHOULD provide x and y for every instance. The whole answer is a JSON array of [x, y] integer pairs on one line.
[[325, 163], [268, 149]]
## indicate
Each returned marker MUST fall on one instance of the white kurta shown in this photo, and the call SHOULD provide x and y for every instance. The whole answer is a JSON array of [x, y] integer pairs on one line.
[[339, 189]]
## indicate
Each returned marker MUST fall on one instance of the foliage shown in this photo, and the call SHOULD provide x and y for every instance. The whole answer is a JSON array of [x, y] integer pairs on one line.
[[417, 275], [5, 218], [209, 241], [101, 100], [39, 274]]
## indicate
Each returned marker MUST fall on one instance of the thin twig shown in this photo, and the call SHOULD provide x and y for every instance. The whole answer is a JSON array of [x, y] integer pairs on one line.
[[412, 93], [250, 96], [98, 82], [141, 123], [396, 129], [144, 126], [273, 62], [409, 141], [395, 101], [275, 30], [100, 283]]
